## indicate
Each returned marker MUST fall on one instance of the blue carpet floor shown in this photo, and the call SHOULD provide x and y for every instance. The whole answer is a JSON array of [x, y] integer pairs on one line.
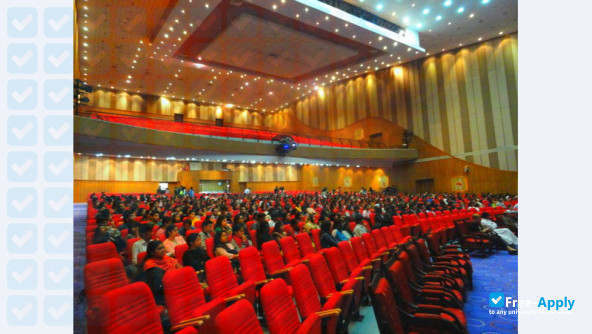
[[497, 273]]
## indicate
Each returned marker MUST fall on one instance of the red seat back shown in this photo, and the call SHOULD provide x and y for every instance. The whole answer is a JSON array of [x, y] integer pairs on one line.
[[129, 309], [239, 317], [179, 251], [272, 257], [305, 244], [103, 251], [348, 255], [220, 276], [385, 308], [316, 237], [336, 264], [251, 266], [321, 274], [130, 243], [290, 249], [358, 248], [210, 247], [305, 291]]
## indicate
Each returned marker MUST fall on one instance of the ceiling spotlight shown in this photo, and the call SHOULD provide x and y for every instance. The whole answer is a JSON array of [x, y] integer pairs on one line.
[[426, 11], [460, 10], [438, 18], [447, 3], [379, 6]]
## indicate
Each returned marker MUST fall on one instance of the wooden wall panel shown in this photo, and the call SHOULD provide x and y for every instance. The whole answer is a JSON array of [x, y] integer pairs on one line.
[[82, 188], [91, 168]]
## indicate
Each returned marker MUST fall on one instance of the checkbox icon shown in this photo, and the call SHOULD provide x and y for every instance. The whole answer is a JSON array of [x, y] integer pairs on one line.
[[22, 274], [22, 238], [58, 310], [22, 22], [21, 130], [21, 310], [58, 130], [22, 203], [496, 299], [57, 94], [58, 238], [22, 166], [58, 202], [22, 58], [58, 22], [22, 94], [58, 166], [58, 275], [57, 58]]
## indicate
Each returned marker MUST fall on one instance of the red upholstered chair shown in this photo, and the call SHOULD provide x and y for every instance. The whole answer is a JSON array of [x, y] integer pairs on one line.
[[344, 279], [131, 309], [305, 244], [272, 257], [141, 258], [251, 266], [307, 297], [179, 251], [222, 281], [359, 250], [423, 320], [253, 234], [352, 262], [210, 248], [99, 278], [316, 237], [103, 251], [372, 250], [281, 315], [185, 299], [291, 252], [239, 317], [422, 296]]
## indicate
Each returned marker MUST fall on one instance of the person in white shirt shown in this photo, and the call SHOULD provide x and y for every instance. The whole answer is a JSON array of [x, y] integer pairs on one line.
[[509, 239], [142, 244], [247, 191]]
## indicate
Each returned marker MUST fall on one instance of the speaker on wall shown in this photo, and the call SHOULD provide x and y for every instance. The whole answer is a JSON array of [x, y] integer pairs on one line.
[[178, 117], [219, 122]]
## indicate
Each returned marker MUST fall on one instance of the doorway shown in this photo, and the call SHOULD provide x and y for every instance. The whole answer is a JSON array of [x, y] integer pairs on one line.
[[424, 186], [214, 186]]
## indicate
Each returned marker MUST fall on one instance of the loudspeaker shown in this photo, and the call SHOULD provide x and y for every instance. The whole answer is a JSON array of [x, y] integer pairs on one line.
[[178, 117], [219, 122]]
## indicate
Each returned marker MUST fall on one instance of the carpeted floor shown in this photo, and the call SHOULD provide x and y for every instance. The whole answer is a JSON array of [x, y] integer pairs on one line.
[[497, 273]]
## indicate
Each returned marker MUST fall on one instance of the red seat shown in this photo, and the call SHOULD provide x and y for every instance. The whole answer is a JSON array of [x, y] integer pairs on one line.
[[99, 278], [316, 237], [239, 317], [343, 278], [291, 253], [222, 281], [130, 243], [307, 296], [185, 299], [305, 244], [272, 257], [101, 251], [210, 247], [131, 309], [280, 311], [426, 319], [179, 251], [253, 234]]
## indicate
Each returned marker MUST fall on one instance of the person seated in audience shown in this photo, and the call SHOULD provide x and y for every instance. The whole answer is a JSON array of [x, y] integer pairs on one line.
[[172, 240], [327, 240], [278, 231], [360, 229], [154, 217], [166, 221], [509, 221], [295, 228], [193, 217], [129, 218], [133, 230], [176, 217], [155, 266], [145, 231], [310, 225], [259, 217], [508, 238], [196, 255], [239, 237], [101, 235], [341, 231], [222, 225], [207, 230], [186, 227], [263, 233], [223, 247]]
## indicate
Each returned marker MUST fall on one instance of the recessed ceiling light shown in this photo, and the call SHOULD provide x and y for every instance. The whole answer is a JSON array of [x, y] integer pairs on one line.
[[419, 25], [449, 23], [406, 19], [484, 1], [426, 11], [460, 10], [479, 39], [472, 15], [379, 6], [438, 18], [447, 3], [501, 33]]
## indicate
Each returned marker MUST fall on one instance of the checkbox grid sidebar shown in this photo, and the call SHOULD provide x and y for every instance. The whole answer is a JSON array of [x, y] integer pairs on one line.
[[36, 163]]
